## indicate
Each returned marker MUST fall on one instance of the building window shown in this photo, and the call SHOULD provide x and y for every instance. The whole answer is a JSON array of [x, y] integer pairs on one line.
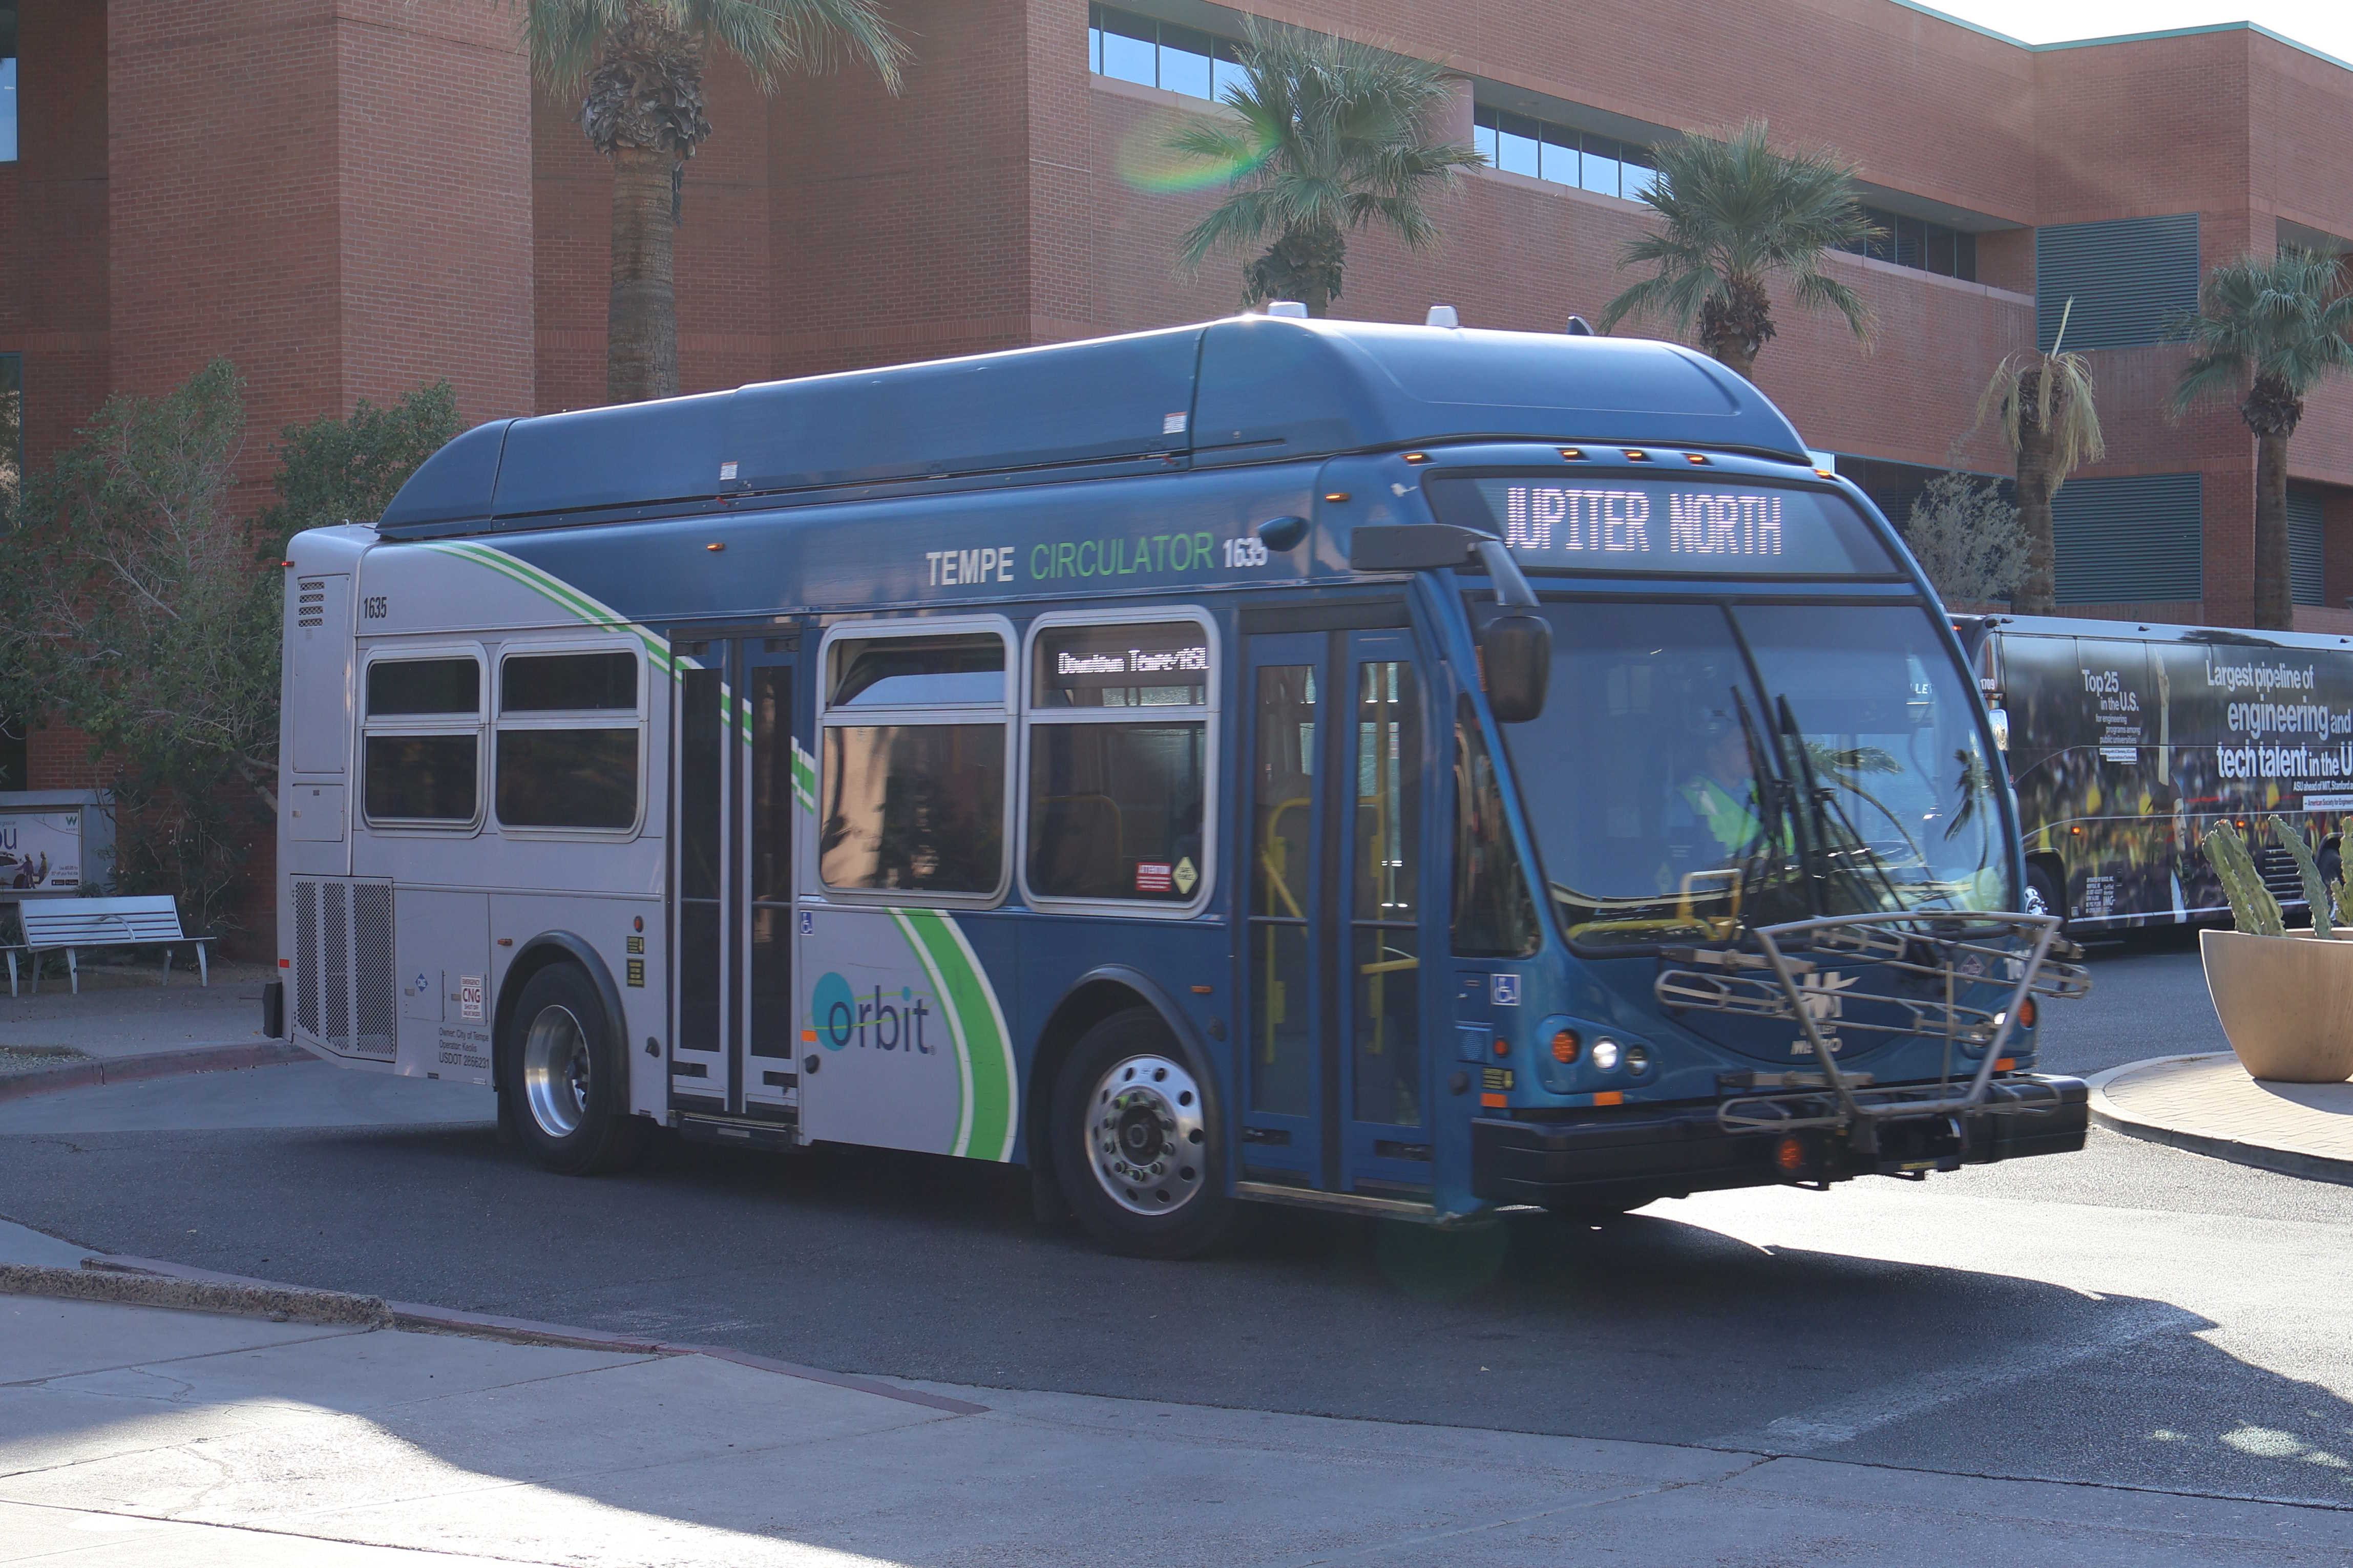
[[1129, 48], [2136, 540], [912, 794], [1119, 803], [8, 82], [2307, 558], [12, 433], [2129, 277], [567, 743], [1542, 150], [420, 766], [1919, 244]]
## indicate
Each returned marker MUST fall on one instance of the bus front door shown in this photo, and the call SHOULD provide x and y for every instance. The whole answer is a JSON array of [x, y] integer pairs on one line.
[[1336, 1079], [732, 785]]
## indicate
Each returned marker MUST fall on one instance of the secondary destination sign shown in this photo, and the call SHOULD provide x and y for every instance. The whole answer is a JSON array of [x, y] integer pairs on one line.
[[1639, 525]]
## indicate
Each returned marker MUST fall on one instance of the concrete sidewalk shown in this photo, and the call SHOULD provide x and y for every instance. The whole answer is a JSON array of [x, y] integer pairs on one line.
[[2207, 1104], [124, 1012], [133, 1433]]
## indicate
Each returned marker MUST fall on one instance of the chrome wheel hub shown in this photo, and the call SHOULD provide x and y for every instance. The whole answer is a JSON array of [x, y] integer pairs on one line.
[[1147, 1143], [555, 1064]]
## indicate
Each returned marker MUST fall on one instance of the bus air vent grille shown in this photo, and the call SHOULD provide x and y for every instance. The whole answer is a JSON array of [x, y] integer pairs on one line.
[[306, 957], [342, 965]]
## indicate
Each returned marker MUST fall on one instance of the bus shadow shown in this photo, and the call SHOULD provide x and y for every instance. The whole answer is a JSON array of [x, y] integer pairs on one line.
[[1657, 1328]]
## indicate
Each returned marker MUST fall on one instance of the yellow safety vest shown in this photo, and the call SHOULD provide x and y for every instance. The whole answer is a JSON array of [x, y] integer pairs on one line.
[[1729, 821]]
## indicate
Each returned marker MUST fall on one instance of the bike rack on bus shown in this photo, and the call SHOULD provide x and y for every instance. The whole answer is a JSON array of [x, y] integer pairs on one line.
[[1954, 958]]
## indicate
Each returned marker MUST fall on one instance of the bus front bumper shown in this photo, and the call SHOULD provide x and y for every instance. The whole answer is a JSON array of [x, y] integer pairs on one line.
[[1625, 1155]]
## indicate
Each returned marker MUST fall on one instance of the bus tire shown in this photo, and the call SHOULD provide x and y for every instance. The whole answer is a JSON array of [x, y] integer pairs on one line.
[[1138, 1149], [2043, 895], [562, 1083]]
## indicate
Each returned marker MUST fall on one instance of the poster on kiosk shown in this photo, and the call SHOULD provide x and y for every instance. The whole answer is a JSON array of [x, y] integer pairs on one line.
[[54, 842]]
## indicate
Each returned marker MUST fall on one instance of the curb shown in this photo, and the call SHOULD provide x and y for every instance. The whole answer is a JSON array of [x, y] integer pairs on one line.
[[2261, 1156], [279, 1303], [155, 1064], [149, 1282]]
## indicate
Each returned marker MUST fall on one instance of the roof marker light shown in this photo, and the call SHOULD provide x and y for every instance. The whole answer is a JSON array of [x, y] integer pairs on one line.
[[1289, 310], [1574, 453], [714, 545], [1825, 474], [1417, 457], [1700, 457], [1636, 455], [1442, 316], [1336, 497]]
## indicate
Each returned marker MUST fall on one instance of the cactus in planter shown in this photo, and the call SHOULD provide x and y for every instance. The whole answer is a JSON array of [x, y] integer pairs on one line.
[[2316, 891], [2252, 909]]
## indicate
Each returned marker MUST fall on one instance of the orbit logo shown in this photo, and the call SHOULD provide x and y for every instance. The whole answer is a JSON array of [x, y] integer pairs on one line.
[[906, 1019]]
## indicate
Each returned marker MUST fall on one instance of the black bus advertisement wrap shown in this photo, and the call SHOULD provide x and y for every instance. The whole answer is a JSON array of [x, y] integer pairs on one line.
[[2126, 745]]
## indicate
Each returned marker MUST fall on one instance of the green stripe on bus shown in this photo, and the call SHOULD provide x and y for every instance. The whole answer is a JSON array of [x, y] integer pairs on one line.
[[561, 593], [804, 777], [981, 1035]]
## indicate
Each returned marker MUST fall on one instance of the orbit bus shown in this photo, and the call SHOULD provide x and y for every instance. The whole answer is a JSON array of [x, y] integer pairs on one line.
[[1400, 770], [2128, 743]]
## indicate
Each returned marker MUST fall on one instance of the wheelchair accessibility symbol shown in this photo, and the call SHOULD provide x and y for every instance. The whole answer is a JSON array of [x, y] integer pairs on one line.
[[1505, 990]]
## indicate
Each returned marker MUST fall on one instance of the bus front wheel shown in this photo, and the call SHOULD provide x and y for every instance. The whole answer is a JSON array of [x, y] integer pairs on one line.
[[565, 1085], [1137, 1155], [2043, 895]]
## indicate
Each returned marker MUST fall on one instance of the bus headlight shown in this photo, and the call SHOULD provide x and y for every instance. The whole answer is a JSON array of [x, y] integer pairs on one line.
[[1605, 1055]]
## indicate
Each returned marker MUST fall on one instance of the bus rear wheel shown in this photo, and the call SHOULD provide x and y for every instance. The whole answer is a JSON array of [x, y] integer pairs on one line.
[[1136, 1145], [562, 1080]]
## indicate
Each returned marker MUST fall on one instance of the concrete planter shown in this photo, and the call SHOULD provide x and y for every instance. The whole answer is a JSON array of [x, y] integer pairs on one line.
[[2286, 1002]]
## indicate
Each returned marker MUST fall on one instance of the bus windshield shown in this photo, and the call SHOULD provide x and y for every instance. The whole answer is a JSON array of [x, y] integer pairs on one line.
[[1702, 767]]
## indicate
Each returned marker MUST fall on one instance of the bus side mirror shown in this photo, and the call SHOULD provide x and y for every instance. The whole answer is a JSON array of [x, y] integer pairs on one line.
[[1515, 666], [1998, 720]]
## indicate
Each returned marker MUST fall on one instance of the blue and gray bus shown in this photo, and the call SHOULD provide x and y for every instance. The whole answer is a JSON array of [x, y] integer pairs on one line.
[[1400, 770]]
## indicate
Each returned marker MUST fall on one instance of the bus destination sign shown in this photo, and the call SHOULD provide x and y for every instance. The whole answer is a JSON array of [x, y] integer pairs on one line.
[[1634, 525]]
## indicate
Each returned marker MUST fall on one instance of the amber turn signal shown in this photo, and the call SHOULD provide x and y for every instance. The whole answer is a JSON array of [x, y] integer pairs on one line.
[[1789, 1154], [1564, 1045], [2026, 1014]]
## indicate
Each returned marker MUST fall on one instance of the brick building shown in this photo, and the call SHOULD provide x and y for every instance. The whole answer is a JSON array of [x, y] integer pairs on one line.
[[351, 198]]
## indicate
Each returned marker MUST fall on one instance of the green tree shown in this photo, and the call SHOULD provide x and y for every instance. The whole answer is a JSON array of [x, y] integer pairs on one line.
[[2051, 423], [640, 67], [1734, 215], [1325, 137], [144, 610], [2275, 325], [336, 470]]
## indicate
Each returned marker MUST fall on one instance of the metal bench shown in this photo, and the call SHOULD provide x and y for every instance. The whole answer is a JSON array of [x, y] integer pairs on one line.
[[51, 924]]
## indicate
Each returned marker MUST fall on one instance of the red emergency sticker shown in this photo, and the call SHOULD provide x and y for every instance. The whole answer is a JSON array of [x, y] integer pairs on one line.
[[1154, 876]]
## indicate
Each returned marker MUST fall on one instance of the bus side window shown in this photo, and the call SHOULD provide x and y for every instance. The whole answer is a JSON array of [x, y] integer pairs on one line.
[[568, 740], [420, 761], [1494, 915], [911, 793], [1118, 735]]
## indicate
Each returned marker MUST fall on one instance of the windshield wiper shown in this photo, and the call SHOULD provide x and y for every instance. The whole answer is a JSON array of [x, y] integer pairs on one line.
[[1855, 853]]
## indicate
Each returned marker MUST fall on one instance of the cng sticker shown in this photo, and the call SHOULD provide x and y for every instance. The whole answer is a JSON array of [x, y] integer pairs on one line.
[[1187, 875]]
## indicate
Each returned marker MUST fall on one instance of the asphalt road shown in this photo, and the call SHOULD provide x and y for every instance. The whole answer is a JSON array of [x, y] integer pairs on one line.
[[2133, 1315]]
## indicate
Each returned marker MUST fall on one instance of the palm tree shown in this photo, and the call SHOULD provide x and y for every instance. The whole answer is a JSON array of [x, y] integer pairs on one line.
[[2277, 324], [1334, 136], [1734, 214], [2051, 424], [641, 65]]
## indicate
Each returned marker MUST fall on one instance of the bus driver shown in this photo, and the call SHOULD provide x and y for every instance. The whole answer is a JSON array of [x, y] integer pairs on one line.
[[1712, 820]]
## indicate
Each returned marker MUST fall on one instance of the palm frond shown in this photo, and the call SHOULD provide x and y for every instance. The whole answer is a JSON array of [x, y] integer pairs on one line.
[[1319, 133], [1729, 204], [772, 38], [2284, 316]]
